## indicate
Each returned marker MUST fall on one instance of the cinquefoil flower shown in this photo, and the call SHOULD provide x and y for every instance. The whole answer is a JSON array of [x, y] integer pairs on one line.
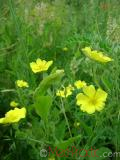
[[91, 100], [96, 55], [67, 91], [14, 104], [22, 84], [80, 84], [40, 65], [13, 116]]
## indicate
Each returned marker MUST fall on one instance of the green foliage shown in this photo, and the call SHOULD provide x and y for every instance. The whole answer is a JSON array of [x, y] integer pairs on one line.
[[99, 152], [42, 106], [47, 82], [65, 144]]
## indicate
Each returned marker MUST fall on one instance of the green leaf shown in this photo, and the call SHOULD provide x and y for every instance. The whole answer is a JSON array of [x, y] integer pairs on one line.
[[106, 81], [47, 82], [42, 106], [66, 143], [60, 130]]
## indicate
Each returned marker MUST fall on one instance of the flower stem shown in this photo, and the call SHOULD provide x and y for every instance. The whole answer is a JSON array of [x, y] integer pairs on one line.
[[66, 119]]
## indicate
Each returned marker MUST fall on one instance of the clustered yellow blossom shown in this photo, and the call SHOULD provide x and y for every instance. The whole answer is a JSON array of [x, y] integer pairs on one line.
[[96, 55], [67, 91], [40, 65], [91, 100], [14, 104], [13, 116], [22, 84], [80, 84]]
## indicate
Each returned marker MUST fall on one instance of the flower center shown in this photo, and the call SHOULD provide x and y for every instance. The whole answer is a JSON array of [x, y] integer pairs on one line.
[[93, 101]]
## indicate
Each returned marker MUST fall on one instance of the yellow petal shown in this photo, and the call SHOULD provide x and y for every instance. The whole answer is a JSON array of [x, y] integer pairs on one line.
[[101, 95], [99, 56], [15, 115], [83, 108], [34, 67], [90, 109], [40, 65], [86, 50], [100, 106], [79, 84], [96, 55], [60, 93], [89, 90], [39, 61], [21, 83], [48, 64], [81, 99], [2, 120]]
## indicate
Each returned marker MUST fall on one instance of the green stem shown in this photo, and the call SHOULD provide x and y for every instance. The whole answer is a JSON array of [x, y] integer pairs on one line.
[[66, 119]]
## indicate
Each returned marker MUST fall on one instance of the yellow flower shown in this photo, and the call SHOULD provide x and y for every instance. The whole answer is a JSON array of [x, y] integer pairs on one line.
[[96, 55], [67, 91], [40, 65], [14, 104], [70, 87], [91, 100], [13, 116], [65, 49], [80, 84], [21, 83]]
